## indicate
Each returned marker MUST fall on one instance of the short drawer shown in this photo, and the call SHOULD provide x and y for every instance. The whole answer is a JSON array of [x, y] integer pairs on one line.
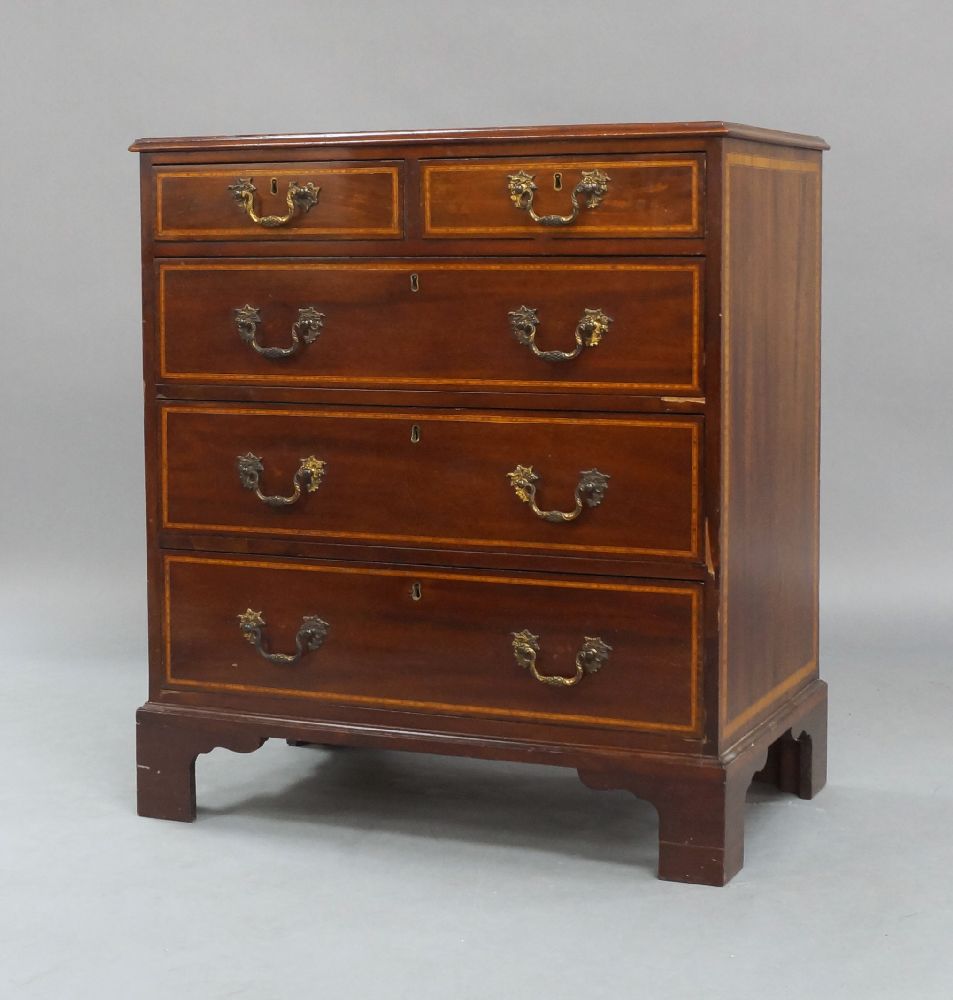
[[635, 196], [280, 201], [549, 650], [626, 486], [625, 325]]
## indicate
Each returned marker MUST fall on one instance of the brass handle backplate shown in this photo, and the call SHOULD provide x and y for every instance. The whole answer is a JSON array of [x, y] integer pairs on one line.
[[592, 187], [309, 475], [593, 654], [590, 491], [301, 198], [309, 637], [305, 330], [589, 332]]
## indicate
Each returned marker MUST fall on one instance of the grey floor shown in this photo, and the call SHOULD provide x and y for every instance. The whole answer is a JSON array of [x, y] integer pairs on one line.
[[354, 874]]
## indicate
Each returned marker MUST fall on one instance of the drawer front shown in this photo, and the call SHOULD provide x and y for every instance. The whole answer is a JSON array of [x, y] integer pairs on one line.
[[299, 202], [619, 325], [450, 643], [636, 196], [435, 479]]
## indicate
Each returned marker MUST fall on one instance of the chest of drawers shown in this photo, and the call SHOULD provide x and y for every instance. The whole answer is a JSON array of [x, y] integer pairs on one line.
[[492, 443]]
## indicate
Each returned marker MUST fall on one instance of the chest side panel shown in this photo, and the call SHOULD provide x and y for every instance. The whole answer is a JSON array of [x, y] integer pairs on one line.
[[770, 425]]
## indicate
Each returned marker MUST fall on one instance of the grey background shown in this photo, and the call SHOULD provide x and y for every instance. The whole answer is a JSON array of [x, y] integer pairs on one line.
[[402, 876]]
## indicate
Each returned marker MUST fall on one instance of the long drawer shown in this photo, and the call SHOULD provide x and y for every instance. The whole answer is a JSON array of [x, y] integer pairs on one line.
[[554, 650], [626, 486], [624, 325]]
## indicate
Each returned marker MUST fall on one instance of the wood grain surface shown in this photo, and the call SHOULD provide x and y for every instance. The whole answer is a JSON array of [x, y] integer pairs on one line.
[[421, 323], [448, 489], [770, 457], [354, 200], [444, 645], [647, 196]]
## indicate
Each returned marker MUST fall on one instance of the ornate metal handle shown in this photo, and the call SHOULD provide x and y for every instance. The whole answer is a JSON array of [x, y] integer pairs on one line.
[[309, 475], [310, 636], [589, 332], [591, 489], [301, 197], [593, 186], [305, 330], [593, 654]]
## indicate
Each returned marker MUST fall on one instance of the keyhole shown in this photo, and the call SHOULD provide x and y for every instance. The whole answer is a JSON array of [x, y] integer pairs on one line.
[[274, 185], [414, 283], [557, 181], [415, 434], [416, 592]]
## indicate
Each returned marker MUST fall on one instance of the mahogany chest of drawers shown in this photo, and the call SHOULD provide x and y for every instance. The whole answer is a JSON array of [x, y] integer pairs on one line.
[[498, 443]]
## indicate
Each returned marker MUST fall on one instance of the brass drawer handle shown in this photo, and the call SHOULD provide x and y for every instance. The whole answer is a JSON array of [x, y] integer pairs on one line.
[[309, 475], [593, 654], [591, 489], [310, 636], [301, 197], [305, 330], [593, 186], [589, 332]]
